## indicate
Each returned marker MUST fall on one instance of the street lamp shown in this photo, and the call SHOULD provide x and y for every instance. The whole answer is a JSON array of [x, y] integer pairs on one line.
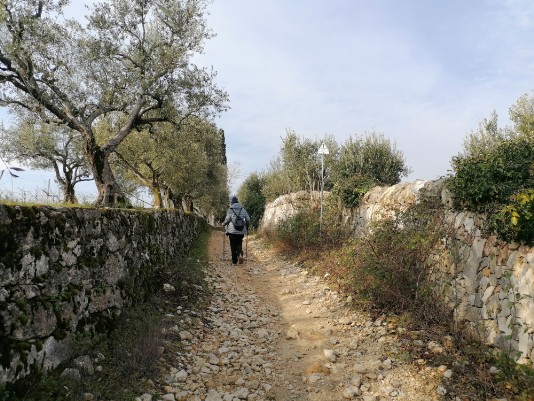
[[323, 150]]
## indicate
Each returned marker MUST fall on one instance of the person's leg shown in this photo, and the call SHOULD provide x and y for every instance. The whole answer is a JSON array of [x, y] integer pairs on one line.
[[234, 247]]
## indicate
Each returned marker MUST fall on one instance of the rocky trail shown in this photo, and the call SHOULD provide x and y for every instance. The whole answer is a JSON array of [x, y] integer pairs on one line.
[[275, 332]]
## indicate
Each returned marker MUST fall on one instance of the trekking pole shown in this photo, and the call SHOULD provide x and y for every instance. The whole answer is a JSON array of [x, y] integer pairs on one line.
[[246, 248], [222, 258]]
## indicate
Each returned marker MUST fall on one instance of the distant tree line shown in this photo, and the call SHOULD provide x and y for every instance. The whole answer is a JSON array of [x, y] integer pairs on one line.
[[115, 99]]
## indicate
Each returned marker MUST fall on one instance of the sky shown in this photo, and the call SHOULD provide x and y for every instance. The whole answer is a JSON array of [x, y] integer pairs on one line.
[[423, 73]]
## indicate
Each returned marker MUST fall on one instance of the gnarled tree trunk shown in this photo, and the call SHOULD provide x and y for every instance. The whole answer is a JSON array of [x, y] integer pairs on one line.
[[109, 191]]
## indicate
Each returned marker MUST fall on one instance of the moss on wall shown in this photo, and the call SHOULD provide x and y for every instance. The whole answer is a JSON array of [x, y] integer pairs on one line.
[[64, 270]]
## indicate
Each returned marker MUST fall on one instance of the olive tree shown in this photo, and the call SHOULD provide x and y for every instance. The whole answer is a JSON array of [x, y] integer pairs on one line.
[[486, 138], [200, 176], [130, 62], [177, 164], [366, 161], [522, 116], [298, 167], [48, 147]]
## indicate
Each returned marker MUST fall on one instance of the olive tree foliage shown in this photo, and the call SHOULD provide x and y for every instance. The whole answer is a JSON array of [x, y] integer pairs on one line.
[[48, 147], [350, 170], [130, 62], [364, 162], [251, 196], [298, 166], [201, 176], [185, 164], [486, 138], [522, 116]]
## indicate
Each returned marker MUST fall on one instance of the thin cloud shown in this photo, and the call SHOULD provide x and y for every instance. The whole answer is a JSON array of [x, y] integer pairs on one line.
[[424, 73]]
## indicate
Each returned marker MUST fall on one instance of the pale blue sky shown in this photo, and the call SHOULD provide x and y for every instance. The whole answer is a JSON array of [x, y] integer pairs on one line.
[[422, 72]]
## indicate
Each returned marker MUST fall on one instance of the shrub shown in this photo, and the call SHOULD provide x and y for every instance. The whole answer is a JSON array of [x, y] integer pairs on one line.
[[515, 221], [304, 230], [352, 189], [498, 180], [484, 181], [299, 231], [388, 266], [365, 162], [251, 197]]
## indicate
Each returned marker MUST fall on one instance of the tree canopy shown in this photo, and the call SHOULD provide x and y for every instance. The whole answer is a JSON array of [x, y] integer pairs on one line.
[[251, 196], [350, 169], [48, 147], [129, 63], [297, 166]]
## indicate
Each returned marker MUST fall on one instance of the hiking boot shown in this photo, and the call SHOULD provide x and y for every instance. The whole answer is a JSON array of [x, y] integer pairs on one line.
[[240, 260]]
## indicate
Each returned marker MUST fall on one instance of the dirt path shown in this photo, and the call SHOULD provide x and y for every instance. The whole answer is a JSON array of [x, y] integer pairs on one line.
[[274, 332]]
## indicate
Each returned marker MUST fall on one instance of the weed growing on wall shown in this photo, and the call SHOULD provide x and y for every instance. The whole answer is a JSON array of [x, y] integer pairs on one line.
[[299, 231]]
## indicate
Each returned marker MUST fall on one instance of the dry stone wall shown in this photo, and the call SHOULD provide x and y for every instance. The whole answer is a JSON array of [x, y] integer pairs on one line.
[[487, 283], [68, 270], [287, 206]]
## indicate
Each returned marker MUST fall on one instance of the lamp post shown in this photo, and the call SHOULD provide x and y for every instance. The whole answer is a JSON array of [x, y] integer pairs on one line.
[[323, 150]]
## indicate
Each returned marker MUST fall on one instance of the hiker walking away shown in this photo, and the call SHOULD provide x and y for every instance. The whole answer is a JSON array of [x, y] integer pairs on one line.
[[236, 222]]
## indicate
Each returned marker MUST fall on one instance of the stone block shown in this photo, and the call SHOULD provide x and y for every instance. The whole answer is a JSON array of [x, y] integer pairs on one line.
[[477, 302], [498, 271], [473, 314], [483, 283], [525, 280], [506, 306], [512, 258], [505, 325], [524, 311], [525, 343], [490, 332], [491, 308], [487, 293]]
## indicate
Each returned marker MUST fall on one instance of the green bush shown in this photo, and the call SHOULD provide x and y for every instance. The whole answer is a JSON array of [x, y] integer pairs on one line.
[[300, 231], [515, 221], [304, 230], [251, 197], [363, 163], [352, 189], [498, 180], [482, 182]]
